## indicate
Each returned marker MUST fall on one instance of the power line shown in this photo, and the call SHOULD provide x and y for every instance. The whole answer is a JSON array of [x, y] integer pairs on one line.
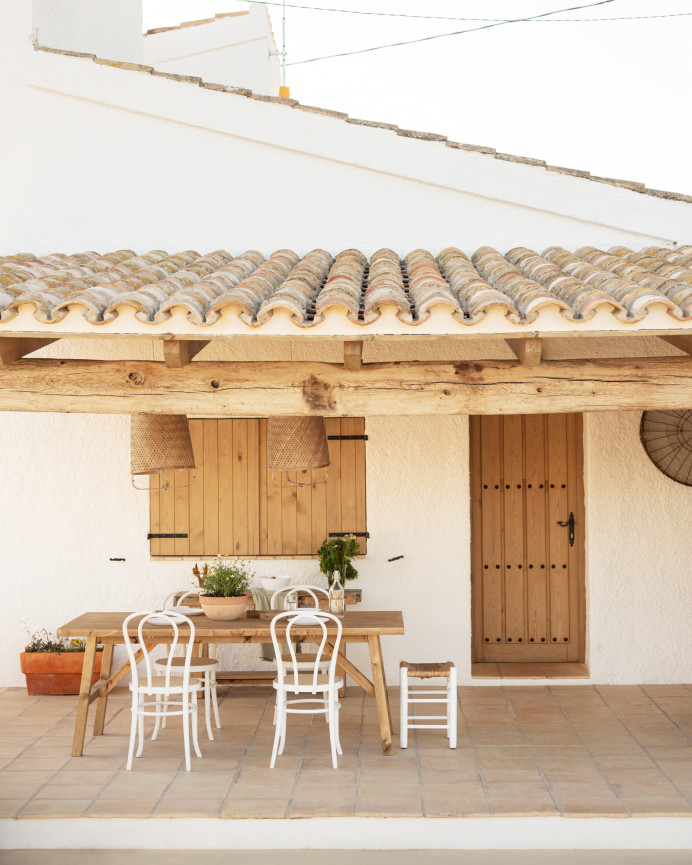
[[455, 33], [456, 18]]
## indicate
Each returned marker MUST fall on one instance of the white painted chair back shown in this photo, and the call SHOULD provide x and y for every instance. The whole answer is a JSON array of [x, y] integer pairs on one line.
[[292, 669], [290, 603], [183, 639], [180, 595]]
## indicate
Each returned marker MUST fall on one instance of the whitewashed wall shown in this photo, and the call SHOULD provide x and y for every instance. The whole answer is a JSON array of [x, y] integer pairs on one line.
[[234, 51], [120, 158], [68, 508]]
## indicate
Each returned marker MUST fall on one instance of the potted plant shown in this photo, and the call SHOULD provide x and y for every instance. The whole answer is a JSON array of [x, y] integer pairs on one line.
[[54, 666], [224, 589], [335, 554]]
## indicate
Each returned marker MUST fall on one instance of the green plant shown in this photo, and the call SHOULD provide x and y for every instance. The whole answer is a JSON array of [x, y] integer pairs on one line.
[[227, 578], [335, 555], [42, 641]]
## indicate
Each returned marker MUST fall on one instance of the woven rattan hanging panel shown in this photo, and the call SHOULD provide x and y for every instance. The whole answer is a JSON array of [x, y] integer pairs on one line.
[[667, 439]]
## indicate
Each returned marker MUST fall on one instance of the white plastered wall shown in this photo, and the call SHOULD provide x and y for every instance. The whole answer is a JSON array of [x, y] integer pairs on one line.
[[233, 50]]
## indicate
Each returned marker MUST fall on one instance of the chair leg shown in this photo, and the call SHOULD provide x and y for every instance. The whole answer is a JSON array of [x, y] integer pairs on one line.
[[133, 732], [184, 697], [278, 720], [403, 709], [215, 701], [284, 717], [158, 718], [332, 731], [140, 726], [195, 740], [336, 724], [453, 708], [207, 703]]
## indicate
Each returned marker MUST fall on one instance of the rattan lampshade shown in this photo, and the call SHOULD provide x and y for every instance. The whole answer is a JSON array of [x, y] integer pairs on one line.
[[667, 439], [159, 443], [296, 443]]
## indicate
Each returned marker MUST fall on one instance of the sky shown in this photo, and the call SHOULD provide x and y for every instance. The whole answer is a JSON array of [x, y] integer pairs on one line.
[[609, 97]]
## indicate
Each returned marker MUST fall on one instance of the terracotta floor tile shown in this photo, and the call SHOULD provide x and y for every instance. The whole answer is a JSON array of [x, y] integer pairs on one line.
[[330, 807], [388, 807], [55, 807], [131, 807], [11, 807], [258, 808], [170, 806], [596, 807], [456, 808]]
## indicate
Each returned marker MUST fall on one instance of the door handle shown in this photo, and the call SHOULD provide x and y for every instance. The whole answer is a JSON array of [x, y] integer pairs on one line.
[[569, 523]]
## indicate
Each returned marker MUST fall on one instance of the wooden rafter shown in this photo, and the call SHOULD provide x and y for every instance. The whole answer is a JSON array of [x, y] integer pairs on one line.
[[353, 354], [263, 388], [528, 351], [177, 353], [684, 343], [13, 348]]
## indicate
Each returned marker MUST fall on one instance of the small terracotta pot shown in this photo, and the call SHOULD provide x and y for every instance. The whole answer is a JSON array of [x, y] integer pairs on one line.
[[223, 608], [56, 672]]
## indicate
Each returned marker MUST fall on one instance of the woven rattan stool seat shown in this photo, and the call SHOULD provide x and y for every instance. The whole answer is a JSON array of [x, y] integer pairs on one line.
[[428, 671]]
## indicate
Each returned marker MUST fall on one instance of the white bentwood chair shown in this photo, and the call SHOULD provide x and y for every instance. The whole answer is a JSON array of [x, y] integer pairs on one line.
[[306, 661], [291, 679], [207, 666], [175, 682]]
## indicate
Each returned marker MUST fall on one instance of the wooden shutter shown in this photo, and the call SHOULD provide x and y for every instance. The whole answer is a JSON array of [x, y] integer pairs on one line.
[[234, 508]]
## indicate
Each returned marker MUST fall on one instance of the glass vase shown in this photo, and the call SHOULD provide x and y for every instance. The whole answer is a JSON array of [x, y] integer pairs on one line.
[[337, 596]]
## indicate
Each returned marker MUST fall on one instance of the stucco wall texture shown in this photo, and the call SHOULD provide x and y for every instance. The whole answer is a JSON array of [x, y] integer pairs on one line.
[[68, 508]]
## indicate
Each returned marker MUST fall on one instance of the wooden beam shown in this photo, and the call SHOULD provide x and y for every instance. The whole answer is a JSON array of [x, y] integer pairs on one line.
[[177, 353], [528, 351], [12, 348], [261, 389], [684, 343], [353, 354]]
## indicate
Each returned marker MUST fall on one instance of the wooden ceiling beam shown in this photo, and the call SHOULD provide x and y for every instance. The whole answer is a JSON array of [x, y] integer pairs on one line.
[[177, 353], [260, 389], [14, 348], [529, 351]]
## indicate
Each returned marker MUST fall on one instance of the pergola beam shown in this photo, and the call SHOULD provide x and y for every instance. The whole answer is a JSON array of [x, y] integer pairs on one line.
[[13, 348], [259, 389]]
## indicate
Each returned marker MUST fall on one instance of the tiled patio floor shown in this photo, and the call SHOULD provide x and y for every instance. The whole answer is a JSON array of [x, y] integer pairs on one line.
[[534, 750]]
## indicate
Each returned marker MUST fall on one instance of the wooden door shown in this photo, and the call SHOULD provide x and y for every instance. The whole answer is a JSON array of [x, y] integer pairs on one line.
[[527, 570]]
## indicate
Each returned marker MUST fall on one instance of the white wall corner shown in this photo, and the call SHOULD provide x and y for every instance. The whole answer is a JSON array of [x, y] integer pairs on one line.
[[111, 29]]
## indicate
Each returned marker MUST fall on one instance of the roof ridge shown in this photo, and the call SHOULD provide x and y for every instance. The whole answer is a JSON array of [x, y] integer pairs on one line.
[[632, 185]]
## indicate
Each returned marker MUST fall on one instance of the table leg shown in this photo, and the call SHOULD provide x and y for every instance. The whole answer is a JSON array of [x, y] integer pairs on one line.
[[381, 697], [84, 693], [102, 702]]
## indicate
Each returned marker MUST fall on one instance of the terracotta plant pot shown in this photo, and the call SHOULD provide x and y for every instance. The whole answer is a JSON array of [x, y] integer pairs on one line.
[[223, 608], [56, 672]]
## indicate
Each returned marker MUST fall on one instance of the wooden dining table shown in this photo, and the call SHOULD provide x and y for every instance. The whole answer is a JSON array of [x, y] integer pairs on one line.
[[362, 626]]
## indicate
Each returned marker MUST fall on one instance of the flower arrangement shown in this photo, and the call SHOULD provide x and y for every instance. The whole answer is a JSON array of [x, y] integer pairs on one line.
[[227, 578], [42, 641], [335, 555]]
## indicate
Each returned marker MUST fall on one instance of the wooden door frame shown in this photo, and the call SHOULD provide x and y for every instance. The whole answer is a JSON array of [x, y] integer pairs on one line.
[[575, 476]]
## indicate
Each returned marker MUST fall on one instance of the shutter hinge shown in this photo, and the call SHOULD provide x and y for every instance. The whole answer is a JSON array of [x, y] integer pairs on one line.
[[363, 438], [154, 535], [355, 534]]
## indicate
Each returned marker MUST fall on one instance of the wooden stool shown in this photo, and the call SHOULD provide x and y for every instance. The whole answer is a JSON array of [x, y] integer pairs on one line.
[[445, 670]]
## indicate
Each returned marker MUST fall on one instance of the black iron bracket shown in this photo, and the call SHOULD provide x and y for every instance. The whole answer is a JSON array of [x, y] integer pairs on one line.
[[347, 438], [154, 536], [355, 534]]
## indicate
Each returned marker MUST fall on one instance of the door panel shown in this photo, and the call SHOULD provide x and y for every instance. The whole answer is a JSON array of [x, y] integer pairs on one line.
[[527, 580]]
